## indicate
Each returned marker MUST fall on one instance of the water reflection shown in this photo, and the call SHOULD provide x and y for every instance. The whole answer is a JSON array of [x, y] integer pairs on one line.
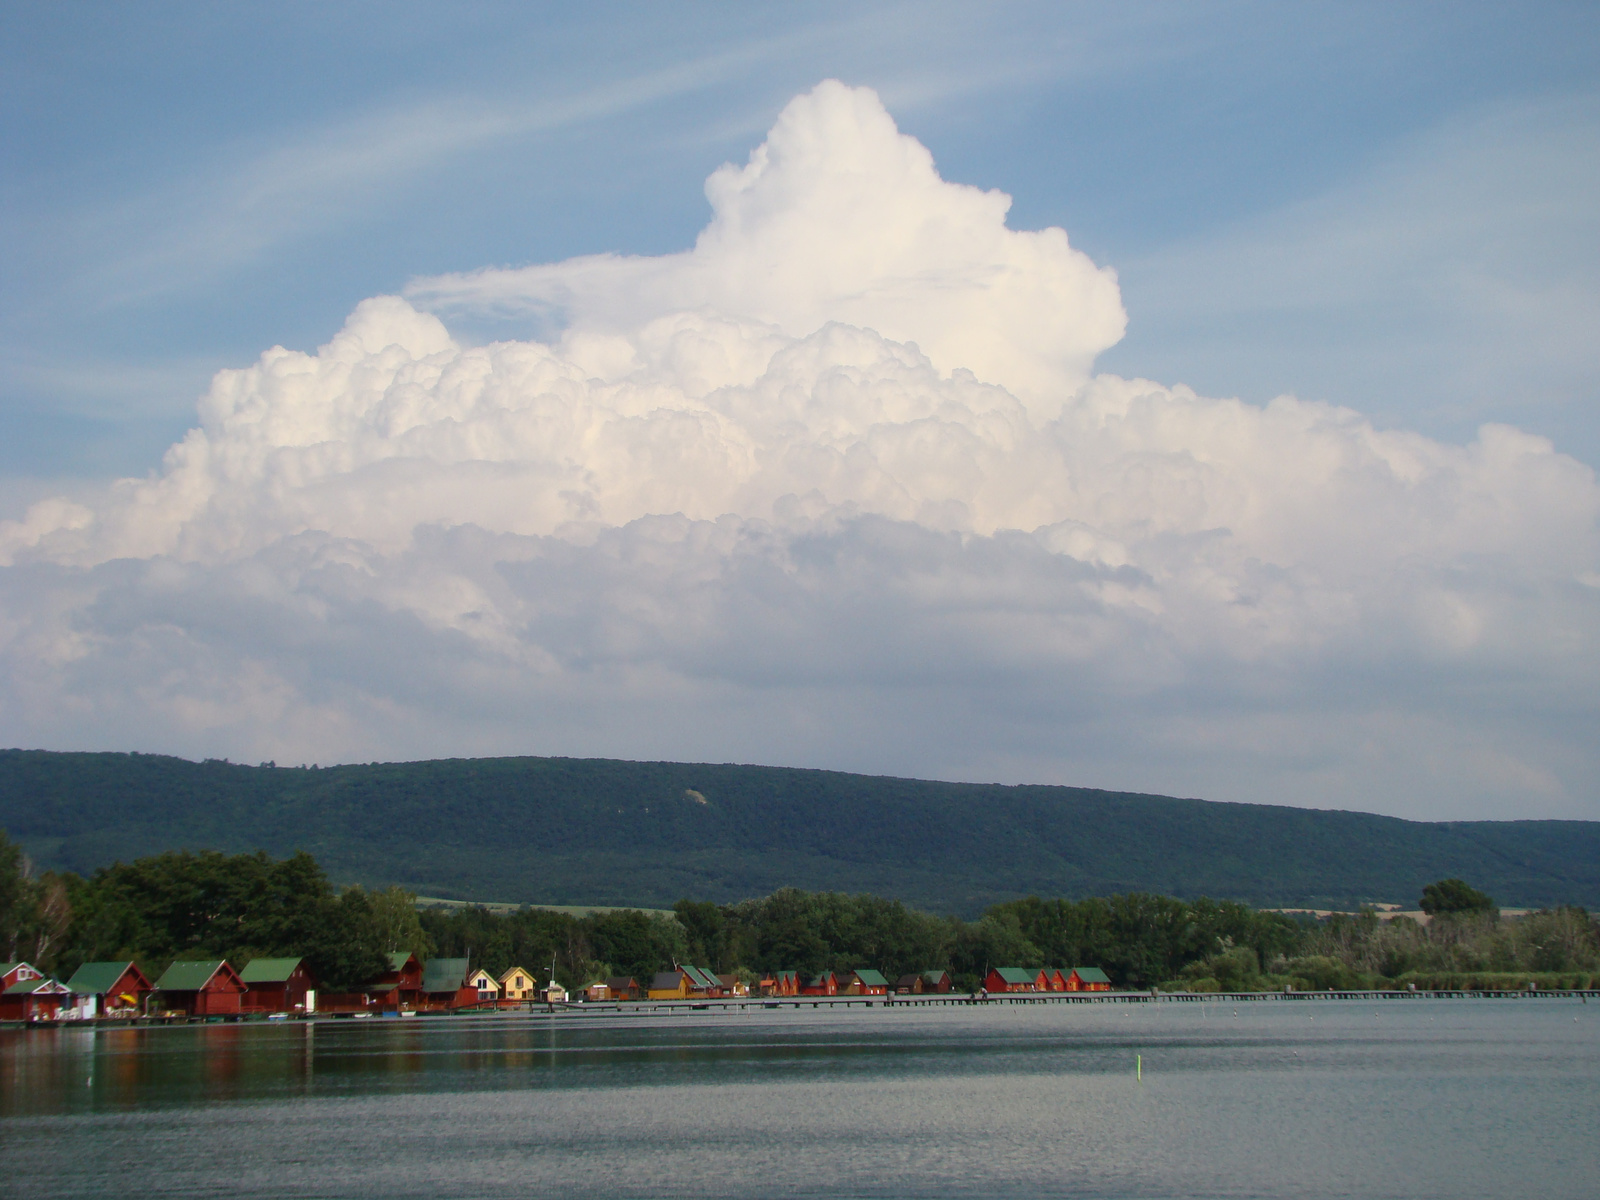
[[1419, 1098]]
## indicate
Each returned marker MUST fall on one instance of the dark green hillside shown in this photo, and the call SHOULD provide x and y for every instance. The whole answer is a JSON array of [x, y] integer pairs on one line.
[[598, 831]]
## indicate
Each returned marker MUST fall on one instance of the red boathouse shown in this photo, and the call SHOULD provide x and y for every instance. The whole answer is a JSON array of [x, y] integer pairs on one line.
[[36, 999], [1013, 979], [110, 989], [283, 985], [826, 984], [1088, 979], [201, 989]]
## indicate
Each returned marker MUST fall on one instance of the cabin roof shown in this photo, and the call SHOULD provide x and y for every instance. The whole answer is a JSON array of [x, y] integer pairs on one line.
[[189, 976], [934, 976], [510, 971], [444, 974], [269, 970], [871, 978], [1016, 974], [1091, 974], [665, 981], [28, 987], [398, 960], [98, 978], [700, 977]]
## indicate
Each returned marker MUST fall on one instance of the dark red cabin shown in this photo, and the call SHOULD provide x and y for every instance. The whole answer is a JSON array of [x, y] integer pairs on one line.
[[35, 999], [826, 984], [201, 989], [276, 985]]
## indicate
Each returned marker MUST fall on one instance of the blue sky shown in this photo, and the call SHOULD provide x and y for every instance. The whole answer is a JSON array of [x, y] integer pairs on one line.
[[867, 479], [186, 184]]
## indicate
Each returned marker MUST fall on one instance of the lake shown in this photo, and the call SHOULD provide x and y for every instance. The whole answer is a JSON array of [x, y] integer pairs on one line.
[[1403, 1098]]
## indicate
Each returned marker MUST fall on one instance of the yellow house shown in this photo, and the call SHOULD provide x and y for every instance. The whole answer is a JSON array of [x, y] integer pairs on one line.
[[669, 985], [488, 990], [517, 984]]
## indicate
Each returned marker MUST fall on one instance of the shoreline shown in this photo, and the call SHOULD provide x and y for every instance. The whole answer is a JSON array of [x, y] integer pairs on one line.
[[658, 1007]]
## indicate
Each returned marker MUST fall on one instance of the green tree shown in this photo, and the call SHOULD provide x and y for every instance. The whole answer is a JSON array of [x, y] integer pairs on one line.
[[15, 897], [995, 941], [1454, 896], [706, 927], [1234, 970], [212, 905], [636, 944], [394, 915], [348, 947]]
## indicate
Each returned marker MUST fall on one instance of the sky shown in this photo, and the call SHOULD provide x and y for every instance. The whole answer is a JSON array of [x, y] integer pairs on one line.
[[1190, 398]]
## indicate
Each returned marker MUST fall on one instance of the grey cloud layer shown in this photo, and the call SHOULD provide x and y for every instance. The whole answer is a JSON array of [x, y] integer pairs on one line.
[[834, 487]]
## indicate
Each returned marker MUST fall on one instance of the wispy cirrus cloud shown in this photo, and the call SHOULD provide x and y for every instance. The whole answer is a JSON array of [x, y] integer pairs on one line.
[[1464, 264], [253, 198]]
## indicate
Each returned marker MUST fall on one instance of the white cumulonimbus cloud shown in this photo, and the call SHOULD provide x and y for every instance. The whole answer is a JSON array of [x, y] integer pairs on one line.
[[837, 486]]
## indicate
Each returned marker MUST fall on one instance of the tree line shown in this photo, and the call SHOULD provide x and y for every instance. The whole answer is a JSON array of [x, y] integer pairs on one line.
[[186, 905], [202, 906]]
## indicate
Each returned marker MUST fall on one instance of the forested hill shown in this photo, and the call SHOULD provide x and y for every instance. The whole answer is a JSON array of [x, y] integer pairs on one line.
[[603, 832]]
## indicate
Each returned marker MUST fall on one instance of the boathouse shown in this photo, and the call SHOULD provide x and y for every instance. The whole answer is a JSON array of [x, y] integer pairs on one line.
[[923, 983], [781, 983], [16, 972], [702, 983], [624, 987], [1088, 979], [517, 984], [825, 984], [683, 983], [485, 985], [865, 982], [444, 984], [279, 985], [669, 985], [109, 989], [400, 987], [201, 989], [37, 998], [1013, 979]]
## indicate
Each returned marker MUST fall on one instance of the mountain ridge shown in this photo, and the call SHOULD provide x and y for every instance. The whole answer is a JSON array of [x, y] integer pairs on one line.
[[609, 831]]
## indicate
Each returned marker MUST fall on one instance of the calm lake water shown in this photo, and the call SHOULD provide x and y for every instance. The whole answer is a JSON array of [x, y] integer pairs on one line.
[[1408, 1098]]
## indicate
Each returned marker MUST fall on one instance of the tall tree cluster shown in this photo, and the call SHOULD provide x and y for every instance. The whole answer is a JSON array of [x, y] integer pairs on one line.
[[203, 905], [211, 905]]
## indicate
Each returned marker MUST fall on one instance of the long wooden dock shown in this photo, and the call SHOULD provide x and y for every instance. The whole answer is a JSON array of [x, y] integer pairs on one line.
[[742, 1003]]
